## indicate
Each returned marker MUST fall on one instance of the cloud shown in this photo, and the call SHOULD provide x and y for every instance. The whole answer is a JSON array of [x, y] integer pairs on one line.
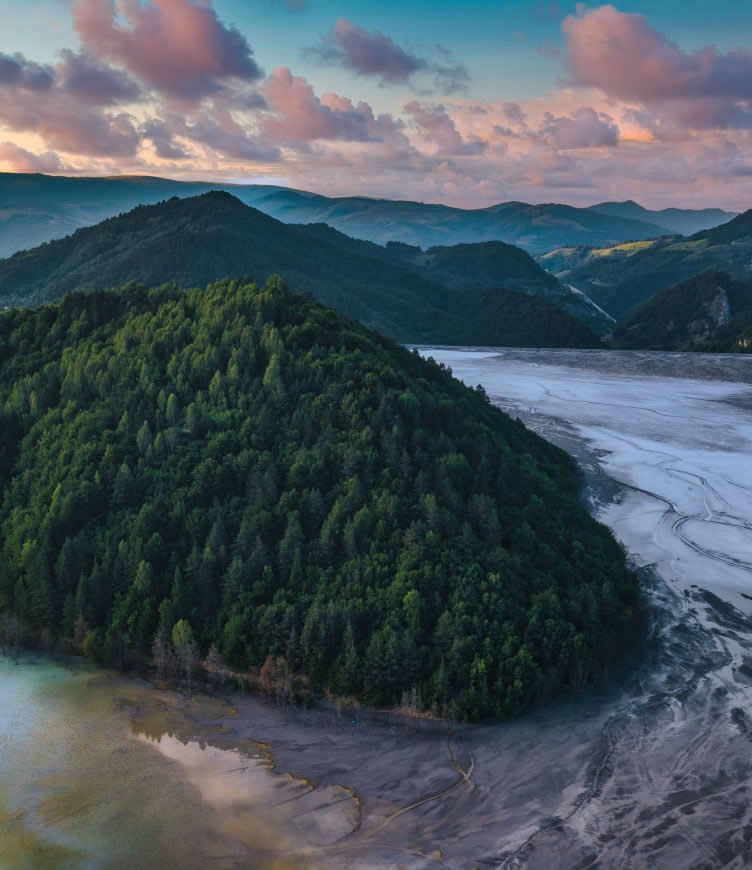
[[65, 125], [219, 131], [437, 127], [94, 82], [179, 48], [19, 72], [585, 128], [298, 116], [367, 53], [61, 105], [162, 138], [374, 54], [22, 160], [514, 114], [621, 54]]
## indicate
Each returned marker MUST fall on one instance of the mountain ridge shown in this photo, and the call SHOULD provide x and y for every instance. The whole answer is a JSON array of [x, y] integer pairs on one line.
[[35, 208], [197, 240]]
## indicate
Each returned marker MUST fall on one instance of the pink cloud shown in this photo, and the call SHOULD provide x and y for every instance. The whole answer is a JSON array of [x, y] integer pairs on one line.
[[621, 54], [178, 47], [299, 116], [585, 128], [22, 160], [435, 125]]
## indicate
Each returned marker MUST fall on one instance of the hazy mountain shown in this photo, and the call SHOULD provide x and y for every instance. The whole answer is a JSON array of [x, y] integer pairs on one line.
[[689, 315], [536, 228], [198, 240], [622, 277], [672, 220], [37, 208]]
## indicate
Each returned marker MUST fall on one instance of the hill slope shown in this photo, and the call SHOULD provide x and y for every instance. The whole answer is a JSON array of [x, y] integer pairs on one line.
[[689, 315], [38, 208], [293, 485], [198, 240], [620, 283]]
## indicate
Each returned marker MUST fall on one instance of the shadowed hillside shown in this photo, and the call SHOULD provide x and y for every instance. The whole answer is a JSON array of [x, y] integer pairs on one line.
[[192, 242]]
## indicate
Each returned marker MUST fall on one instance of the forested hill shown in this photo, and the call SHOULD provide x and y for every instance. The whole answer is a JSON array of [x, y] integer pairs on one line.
[[290, 483], [623, 277], [202, 239], [709, 311]]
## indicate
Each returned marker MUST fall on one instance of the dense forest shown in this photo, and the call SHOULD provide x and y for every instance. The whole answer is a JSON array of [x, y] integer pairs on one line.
[[701, 313], [244, 466], [192, 242], [623, 277]]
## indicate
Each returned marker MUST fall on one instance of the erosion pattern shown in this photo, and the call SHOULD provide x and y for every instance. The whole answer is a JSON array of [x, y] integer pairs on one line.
[[653, 770]]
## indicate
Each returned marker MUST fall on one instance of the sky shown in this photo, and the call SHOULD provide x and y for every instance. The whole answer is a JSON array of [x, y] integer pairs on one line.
[[467, 103]]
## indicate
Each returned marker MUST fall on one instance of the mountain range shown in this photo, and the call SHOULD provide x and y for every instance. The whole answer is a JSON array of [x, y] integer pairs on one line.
[[37, 208], [491, 294]]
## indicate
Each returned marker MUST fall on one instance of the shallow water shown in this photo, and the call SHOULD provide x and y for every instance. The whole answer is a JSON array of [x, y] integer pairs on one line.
[[101, 772]]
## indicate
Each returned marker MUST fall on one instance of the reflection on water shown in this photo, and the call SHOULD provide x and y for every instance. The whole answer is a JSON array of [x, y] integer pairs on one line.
[[89, 777]]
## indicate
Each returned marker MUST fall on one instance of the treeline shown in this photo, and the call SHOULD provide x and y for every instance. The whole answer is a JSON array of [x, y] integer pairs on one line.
[[250, 470]]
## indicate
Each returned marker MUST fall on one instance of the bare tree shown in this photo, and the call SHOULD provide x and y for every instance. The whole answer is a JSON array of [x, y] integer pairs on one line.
[[214, 666], [186, 650], [161, 653], [11, 632]]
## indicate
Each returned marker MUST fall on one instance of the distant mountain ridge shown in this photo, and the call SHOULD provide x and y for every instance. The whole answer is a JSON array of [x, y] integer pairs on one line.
[[398, 290], [672, 220], [38, 208]]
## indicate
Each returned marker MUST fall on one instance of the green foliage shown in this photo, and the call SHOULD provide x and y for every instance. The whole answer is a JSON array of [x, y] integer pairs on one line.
[[710, 312], [621, 282], [292, 484]]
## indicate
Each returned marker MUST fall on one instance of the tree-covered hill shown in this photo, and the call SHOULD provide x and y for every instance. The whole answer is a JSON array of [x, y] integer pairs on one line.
[[201, 239], [622, 278], [686, 313], [701, 312], [290, 483]]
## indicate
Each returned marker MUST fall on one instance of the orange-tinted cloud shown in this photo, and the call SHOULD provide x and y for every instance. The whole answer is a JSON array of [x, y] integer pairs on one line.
[[21, 160]]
